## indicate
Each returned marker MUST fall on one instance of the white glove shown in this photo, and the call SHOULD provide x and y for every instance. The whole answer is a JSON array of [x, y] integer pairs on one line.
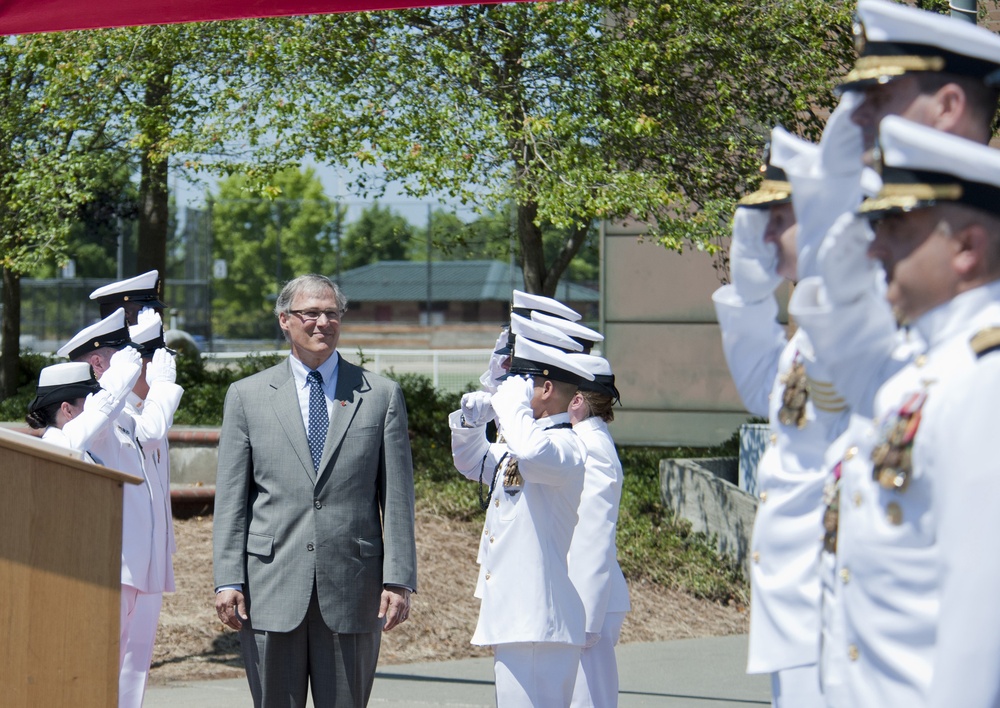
[[162, 368], [102, 402], [495, 371], [842, 146], [476, 409], [122, 373], [844, 265], [513, 393], [592, 639], [752, 262], [826, 185], [147, 315]]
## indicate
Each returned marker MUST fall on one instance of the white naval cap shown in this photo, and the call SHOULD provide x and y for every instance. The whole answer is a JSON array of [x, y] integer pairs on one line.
[[585, 336], [524, 304], [604, 377], [109, 332], [63, 382], [534, 359], [893, 40], [542, 333], [775, 188], [922, 167], [143, 288], [147, 336]]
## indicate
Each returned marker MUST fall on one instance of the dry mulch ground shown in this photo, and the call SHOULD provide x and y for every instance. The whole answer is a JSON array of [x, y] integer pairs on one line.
[[191, 643]]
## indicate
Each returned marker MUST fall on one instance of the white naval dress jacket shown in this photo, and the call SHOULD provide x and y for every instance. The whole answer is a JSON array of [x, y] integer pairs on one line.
[[524, 586], [152, 427], [593, 553], [786, 596], [919, 567]]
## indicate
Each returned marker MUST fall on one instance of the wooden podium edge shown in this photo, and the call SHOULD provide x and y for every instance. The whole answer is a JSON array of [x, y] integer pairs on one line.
[[28, 444]]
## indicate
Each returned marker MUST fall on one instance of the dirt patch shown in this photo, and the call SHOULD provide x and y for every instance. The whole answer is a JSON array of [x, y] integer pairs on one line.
[[191, 643]]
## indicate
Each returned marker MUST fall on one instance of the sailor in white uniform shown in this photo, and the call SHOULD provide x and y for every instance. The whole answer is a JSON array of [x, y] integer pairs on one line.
[[140, 602], [805, 414], [530, 613], [593, 555], [920, 485]]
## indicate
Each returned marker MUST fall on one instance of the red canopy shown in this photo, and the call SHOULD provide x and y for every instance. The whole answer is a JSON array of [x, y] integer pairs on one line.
[[27, 16]]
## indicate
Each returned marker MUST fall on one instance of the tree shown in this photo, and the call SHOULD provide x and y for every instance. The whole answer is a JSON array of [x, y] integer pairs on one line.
[[201, 98], [266, 242], [53, 140], [451, 238], [576, 111], [379, 234], [94, 232]]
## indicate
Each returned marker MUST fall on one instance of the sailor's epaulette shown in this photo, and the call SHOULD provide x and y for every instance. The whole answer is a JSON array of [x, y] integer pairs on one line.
[[985, 341]]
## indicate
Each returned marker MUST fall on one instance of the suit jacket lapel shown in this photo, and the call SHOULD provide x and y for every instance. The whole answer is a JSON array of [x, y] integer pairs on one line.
[[350, 386], [289, 414]]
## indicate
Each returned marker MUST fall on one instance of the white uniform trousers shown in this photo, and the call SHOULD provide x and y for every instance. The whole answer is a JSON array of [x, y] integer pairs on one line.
[[597, 680], [797, 687], [140, 613], [535, 674]]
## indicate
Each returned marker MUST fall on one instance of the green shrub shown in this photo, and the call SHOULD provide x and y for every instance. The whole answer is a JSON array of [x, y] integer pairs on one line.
[[30, 364], [205, 386]]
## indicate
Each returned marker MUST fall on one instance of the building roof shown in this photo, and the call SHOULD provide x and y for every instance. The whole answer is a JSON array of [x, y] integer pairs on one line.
[[451, 281]]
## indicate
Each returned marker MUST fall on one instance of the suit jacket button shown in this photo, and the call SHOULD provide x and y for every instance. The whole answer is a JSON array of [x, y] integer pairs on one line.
[[317, 504], [309, 547]]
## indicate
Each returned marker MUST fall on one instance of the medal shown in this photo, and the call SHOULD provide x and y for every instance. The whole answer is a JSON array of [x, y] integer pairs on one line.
[[831, 516], [893, 457], [795, 396]]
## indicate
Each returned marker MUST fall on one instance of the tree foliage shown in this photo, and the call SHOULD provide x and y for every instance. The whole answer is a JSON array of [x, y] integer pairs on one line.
[[379, 234], [264, 243], [575, 111]]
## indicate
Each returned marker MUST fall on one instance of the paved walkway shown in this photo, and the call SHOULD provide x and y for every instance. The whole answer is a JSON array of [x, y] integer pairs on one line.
[[690, 673]]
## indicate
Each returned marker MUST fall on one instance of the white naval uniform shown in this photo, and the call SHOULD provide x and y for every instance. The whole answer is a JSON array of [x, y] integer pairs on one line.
[[530, 612], [786, 597], [918, 567], [594, 569], [863, 354], [140, 607], [121, 450]]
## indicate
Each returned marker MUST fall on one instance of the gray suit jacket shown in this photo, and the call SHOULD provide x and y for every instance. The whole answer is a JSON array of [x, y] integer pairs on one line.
[[279, 526]]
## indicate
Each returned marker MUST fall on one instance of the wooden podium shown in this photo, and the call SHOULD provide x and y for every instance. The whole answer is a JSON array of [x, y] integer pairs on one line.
[[60, 576]]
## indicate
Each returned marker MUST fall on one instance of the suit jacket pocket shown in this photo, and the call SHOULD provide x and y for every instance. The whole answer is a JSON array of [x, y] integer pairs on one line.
[[362, 430], [260, 545], [370, 547]]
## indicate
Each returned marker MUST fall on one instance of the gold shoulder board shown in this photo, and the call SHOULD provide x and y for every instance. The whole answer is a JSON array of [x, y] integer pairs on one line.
[[986, 341]]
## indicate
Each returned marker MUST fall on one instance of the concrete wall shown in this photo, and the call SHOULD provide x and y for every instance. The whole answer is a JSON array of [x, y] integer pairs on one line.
[[697, 490], [664, 343]]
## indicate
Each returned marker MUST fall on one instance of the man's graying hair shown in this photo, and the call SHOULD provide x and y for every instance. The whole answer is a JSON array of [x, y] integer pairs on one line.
[[311, 284]]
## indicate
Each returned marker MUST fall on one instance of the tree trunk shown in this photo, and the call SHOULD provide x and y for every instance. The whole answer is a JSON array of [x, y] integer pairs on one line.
[[154, 211], [532, 253], [11, 326]]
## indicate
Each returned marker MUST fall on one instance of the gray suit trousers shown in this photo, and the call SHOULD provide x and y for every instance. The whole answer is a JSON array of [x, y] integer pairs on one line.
[[340, 667]]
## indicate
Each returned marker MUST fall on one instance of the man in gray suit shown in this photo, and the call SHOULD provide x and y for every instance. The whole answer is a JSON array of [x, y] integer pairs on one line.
[[313, 540]]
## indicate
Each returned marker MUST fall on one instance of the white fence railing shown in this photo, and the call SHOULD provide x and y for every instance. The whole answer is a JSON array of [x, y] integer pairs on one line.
[[449, 369]]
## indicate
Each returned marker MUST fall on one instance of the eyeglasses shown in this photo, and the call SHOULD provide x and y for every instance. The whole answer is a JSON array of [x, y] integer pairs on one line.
[[314, 315]]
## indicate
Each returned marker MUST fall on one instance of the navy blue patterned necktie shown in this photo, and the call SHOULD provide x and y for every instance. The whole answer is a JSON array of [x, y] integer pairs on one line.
[[319, 420]]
